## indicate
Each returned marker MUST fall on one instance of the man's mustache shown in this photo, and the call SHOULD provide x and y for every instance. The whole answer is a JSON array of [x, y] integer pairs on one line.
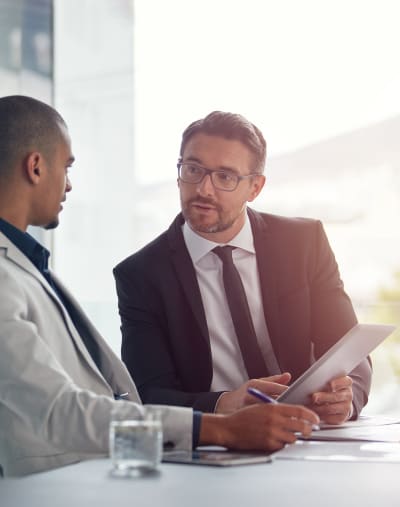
[[205, 201]]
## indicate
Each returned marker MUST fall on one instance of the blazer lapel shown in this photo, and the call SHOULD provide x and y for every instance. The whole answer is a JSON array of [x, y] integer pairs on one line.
[[186, 274], [267, 260], [17, 257], [111, 368]]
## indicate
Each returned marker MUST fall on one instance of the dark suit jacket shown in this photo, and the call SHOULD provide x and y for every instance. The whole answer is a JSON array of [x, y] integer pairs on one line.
[[165, 340]]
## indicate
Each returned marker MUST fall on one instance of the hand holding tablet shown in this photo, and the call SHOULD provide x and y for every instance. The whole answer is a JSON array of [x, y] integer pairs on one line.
[[337, 362], [325, 386]]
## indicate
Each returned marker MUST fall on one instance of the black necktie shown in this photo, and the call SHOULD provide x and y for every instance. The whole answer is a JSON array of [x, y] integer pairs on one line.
[[240, 313]]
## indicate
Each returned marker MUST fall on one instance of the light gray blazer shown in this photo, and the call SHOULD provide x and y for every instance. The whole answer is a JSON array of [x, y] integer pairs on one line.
[[55, 403]]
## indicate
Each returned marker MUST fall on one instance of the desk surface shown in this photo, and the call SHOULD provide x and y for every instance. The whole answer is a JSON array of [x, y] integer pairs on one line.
[[282, 482]]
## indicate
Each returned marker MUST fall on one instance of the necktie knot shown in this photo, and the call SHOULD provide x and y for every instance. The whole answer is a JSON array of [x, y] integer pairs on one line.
[[224, 252]]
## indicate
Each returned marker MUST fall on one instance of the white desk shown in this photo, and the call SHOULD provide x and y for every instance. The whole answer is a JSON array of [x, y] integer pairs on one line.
[[282, 483]]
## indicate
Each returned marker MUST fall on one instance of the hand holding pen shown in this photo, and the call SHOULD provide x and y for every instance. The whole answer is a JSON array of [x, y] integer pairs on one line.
[[238, 398], [260, 395], [267, 399]]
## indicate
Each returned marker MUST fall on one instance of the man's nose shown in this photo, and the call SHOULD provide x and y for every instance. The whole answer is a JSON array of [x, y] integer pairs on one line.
[[205, 187], [68, 185]]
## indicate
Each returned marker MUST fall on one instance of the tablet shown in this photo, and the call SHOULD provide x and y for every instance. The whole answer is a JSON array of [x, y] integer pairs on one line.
[[215, 458], [338, 361]]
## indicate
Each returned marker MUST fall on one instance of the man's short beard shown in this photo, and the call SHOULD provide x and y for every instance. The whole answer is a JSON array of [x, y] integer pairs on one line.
[[210, 229], [218, 226]]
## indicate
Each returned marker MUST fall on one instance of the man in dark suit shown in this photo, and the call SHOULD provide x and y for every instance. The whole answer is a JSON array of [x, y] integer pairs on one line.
[[180, 337]]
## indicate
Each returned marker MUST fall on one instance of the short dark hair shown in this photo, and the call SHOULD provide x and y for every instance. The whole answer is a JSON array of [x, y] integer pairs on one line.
[[26, 124], [230, 126]]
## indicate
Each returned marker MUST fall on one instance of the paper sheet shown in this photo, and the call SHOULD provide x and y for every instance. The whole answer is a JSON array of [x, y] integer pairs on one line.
[[341, 451]]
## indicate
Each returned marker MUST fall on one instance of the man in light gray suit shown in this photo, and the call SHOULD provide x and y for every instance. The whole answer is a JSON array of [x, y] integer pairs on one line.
[[59, 380]]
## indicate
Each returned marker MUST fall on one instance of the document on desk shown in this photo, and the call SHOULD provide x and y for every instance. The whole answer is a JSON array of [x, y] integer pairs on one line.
[[363, 420], [369, 429], [387, 452]]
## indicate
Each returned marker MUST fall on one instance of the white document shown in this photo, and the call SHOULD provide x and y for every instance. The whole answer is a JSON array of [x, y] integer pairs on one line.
[[363, 420], [338, 361], [372, 433], [341, 451]]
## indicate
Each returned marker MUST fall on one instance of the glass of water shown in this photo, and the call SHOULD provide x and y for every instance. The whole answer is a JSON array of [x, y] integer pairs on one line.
[[135, 439]]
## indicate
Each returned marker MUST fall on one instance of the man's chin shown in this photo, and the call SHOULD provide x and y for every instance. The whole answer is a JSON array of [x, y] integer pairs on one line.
[[204, 224], [51, 225], [207, 228]]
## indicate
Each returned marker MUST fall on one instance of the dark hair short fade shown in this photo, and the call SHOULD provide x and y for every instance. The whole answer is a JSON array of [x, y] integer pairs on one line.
[[230, 126], [26, 124]]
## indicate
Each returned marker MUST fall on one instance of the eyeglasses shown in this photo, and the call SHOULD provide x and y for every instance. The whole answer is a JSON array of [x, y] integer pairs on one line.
[[222, 180]]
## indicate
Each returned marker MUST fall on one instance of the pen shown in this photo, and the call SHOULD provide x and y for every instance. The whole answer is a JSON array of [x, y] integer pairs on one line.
[[262, 396], [267, 399]]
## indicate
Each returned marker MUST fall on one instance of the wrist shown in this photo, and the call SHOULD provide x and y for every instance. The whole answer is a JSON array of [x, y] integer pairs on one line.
[[212, 429], [221, 405]]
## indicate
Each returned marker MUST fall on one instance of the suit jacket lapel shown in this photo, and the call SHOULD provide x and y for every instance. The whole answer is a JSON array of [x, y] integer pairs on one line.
[[111, 368], [267, 260], [17, 257], [186, 274]]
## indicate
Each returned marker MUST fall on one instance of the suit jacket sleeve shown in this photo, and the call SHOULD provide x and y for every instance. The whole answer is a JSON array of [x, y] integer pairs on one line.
[[333, 315]]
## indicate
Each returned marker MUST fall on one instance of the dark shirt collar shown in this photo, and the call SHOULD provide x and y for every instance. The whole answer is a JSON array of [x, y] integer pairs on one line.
[[28, 245]]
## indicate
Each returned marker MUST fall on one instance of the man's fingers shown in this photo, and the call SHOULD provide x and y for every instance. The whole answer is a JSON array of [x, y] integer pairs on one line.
[[333, 413], [273, 386], [341, 383], [281, 378], [332, 397], [334, 409], [290, 423], [298, 412]]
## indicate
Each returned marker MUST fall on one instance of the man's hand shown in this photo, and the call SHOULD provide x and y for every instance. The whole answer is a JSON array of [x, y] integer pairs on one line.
[[266, 427], [233, 400], [334, 406]]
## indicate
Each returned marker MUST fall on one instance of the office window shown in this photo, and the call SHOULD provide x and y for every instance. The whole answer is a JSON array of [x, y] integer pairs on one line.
[[26, 48], [94, 90], [26, 57]]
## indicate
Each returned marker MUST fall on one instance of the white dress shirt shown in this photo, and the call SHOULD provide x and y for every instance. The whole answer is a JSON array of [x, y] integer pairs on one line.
[[229, 371]]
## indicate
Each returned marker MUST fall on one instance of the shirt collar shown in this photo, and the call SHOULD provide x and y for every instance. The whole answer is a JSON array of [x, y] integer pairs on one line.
[[198, 246], [28, 245]]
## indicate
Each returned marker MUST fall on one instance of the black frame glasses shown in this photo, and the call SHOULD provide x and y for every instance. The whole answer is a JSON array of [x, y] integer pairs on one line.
[[192, 173]]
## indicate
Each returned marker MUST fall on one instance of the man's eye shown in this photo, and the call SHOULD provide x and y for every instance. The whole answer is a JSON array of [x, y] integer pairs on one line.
[[193, 169], [225, 177]]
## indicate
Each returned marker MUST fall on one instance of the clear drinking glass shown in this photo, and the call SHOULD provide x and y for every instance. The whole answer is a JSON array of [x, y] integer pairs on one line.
[[135, 439]]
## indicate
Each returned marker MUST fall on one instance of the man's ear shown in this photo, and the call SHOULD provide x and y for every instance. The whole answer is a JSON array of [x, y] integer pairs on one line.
[[33, 163], [257, 184]]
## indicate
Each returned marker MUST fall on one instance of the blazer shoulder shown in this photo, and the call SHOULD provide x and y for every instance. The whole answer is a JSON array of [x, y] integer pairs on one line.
[[280, 223], [150, 253], [156, 252]]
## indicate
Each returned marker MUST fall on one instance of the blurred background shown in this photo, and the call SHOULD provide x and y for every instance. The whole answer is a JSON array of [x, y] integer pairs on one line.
[[320, 78]]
